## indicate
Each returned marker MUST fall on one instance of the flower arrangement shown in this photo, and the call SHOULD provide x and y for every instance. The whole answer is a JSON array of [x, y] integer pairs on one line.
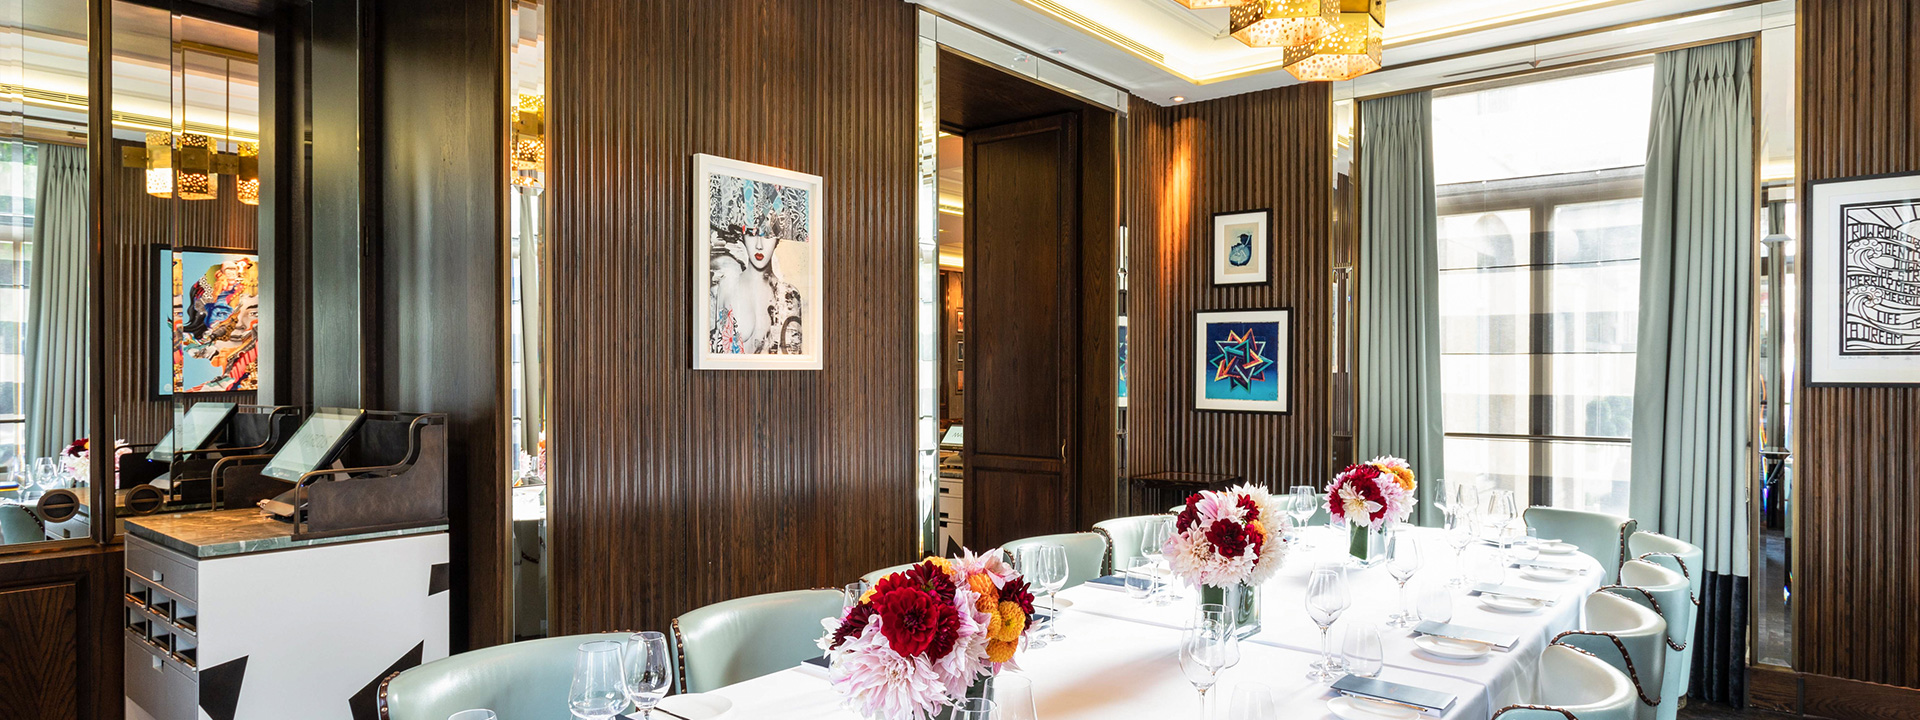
[[1224, 539], [1373, 493], [921, 637], [73, 459]]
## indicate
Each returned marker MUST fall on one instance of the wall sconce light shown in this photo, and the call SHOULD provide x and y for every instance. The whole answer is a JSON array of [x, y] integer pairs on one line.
[[196, 179], [159, 164], [247, 176]]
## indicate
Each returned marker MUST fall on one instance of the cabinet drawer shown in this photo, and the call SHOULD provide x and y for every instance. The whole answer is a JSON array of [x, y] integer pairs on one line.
[[163, 569], [157, 685]]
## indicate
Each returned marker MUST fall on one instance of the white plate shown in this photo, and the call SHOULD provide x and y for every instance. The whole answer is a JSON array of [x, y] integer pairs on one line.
[[1547, 574], [1503, 603], [1358, 709], [1451, 648], [697, 706], [1558, 548], [1052, 605]]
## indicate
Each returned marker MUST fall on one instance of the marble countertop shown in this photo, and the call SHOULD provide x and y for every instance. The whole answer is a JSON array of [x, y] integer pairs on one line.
[[237, 532]]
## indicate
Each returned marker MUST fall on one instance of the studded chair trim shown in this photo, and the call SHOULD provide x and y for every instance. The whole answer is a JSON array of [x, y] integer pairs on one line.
[[1656, 608], [1632, 673], [1106, 561], [679, 660], [1542, 708], [1684, 571], [381, 703]]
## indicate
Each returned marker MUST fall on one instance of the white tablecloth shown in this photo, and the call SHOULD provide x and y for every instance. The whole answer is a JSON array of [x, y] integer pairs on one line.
[[1120, 658]]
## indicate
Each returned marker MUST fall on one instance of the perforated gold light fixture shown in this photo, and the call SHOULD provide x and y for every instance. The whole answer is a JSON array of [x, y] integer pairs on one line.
[[1205, 4], [247, 185], [195, 179], [529, 151], [1282, 23], [159, 163], [1351, 50]]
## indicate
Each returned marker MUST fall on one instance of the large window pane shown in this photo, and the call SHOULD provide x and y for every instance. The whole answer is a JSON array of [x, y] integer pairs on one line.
[[1484, 311], [1569, 124], [1499, 464], [1591, 476], [1486, 239], [1592, 395], [1594, 308], [1485, 394]]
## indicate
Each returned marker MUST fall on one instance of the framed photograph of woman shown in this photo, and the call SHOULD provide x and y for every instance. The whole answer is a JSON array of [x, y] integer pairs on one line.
[[1242, 245], [757, 267], [1861, 265]]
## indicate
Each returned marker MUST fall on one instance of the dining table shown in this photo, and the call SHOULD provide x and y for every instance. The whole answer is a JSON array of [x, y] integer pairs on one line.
[[1119, 657]]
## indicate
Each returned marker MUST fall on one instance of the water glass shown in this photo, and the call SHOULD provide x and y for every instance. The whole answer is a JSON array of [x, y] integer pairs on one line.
[[851, 594], [1435, 603], [1403, 560], [599, 690], [46, 473], [1485, 564], [1139, 577], [477, 714], [1204, 652], [1304, 503], [1013, 696], [1527, 549], [1459, 536], [1327, 598], [1364, 651], [649, 670], [1052, 567], [975, 708], [1153, 542], [1252, 701]]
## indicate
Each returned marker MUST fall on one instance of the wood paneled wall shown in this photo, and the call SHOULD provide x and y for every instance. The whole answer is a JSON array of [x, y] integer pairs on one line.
[[142, 221], [1269, 149], [674, 488], [1859, 470], [60, 634]]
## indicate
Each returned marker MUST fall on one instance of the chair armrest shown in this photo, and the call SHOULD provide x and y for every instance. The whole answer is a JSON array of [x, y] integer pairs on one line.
[[1587, 640], [1533, 712]]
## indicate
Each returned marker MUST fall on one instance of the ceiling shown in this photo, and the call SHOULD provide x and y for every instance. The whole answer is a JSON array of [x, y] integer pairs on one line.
[[1159, 50]]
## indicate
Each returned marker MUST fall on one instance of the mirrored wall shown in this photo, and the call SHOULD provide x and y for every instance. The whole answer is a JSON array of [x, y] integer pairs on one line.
[[527, 91]]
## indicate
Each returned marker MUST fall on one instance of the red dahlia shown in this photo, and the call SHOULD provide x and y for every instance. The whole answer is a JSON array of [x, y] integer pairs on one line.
[[1190, 515], [854, 624], [911, 619], [1228, 538], [1016, 591]]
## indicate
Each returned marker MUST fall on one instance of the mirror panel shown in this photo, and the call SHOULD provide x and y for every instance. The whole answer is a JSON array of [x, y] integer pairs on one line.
[[527, 91]]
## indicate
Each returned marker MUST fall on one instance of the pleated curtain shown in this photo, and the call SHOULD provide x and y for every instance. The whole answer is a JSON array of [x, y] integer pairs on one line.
[[1399, 291], [1692, 412], [57, 326], [532, 390]]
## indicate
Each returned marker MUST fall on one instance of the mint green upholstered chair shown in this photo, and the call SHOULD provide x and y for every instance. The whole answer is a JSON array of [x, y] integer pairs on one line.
[[1630, 637], [1666, 592], [1600, 535], [874, 577], [1576, 685], [745, 638], [523, 681], [1086, 553], [1123, 539], [1684, 558], [19, 525]]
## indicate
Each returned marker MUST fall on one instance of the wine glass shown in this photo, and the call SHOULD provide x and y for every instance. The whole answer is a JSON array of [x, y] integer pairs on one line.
[[649, 670], [1252, 701], [1462, 498], [1205, 650], [851, 594], [975, 708], [599, 689], [1485, 564], [46, 473], [1459, 536], [1013, 696], [1153, 542], [1499, 512], [1304, 503], [1434, 603], [1364, 651], [1327, 598], [1138, 574], [1403, 560], [1053, 569]]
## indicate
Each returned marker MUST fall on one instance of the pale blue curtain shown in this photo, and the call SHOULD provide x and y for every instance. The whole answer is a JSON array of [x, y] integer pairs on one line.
[[57, 327], [1692, 410], [1399, 291]]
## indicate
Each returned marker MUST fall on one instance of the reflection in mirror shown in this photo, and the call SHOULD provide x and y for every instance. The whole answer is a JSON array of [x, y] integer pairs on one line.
[[528, 94], [44, 272], [186, 100]]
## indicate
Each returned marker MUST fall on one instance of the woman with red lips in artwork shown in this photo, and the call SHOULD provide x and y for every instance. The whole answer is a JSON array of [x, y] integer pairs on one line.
[[755, 311]]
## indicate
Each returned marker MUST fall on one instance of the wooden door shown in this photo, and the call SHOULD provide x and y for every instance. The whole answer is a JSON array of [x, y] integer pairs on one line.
[[1022, 270]]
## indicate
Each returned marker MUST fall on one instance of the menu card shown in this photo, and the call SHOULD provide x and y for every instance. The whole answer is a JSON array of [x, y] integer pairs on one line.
[[1429, 702], [1503, 641]]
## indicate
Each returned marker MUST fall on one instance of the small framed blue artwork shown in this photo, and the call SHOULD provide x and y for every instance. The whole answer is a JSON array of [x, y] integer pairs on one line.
[[1242, 360], [1241, 247]]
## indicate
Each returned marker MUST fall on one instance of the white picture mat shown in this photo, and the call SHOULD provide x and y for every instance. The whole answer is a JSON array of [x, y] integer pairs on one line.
[[1262, 248], [1282, 360], [812, 309], [1825, 363]]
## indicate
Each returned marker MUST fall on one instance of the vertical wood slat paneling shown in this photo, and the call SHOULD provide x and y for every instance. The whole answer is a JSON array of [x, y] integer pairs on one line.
[[1858, 581], [674, 488], [140, 222], [1269, 149]]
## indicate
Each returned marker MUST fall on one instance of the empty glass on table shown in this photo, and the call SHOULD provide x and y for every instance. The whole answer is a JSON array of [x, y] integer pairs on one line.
[[1327, 598], [1435, 602], [1403, 560], [1012, 695], [1138, 575], [1153, 542], [1303, 504], [1207, 648], [648, 670], [1459, 535], [1365, 653], [599, 687], [977, 708], [1252, 701]]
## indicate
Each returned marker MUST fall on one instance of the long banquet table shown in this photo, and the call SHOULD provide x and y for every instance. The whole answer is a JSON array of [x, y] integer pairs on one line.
[[1120, 657]]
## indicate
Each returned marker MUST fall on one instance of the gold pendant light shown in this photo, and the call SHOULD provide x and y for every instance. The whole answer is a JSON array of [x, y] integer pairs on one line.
[[529, 150], [159, 161], [1205, 4], [1282, 23], [247, 179], [196, 179], [1351, 50]]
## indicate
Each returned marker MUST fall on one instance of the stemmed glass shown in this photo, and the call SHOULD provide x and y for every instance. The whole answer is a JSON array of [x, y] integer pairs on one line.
[[851, 594], [1046, 567], [1207, 648], [1153, 541], [1327, 598], [599, 687], [1499, 512], [649, 672], [975, 708], [46, 472], [1304, 503], [1403, 560], [1459, 536]]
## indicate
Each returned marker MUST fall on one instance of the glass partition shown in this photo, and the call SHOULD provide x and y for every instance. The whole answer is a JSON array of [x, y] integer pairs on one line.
[[527, 93]]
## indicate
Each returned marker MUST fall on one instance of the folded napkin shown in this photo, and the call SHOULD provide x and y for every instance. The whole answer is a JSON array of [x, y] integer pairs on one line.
[[1429, 702]]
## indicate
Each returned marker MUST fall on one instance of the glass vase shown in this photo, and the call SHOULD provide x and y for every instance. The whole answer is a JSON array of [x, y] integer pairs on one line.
[[1242, 599], [1367, 545]]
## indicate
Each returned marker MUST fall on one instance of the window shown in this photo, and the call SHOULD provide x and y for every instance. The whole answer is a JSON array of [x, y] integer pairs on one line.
[[18, 180], [1539, 247]]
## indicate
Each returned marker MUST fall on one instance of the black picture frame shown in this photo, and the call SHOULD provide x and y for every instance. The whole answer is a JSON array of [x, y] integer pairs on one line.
[[1811, 256]]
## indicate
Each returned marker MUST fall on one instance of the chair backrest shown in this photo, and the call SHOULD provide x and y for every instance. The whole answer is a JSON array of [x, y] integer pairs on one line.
[[20, 525], [1684, 558], [745, 638], [1666, 592], [527, 679], [1600, 535], [1086, 551], [874, 577], [1576, 685], [1631, 638], [1123, 539]]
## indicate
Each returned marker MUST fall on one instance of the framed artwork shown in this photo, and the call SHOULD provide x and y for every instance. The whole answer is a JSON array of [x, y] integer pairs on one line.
[[757, 265], [1241, 360], [209, 323], [1123, 361], [1861, 264], [1242, 246]]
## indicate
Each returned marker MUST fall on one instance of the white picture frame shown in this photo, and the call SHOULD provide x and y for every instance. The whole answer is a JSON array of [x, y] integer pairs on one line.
[[758, 268], [1861, 269], [1243, 360], [1242, 247]]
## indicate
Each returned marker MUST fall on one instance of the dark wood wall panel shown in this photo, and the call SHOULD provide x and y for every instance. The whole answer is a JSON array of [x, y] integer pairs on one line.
[[140, 222], [1269, 149], [674, 488], [60, 635], [1859, 481]]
